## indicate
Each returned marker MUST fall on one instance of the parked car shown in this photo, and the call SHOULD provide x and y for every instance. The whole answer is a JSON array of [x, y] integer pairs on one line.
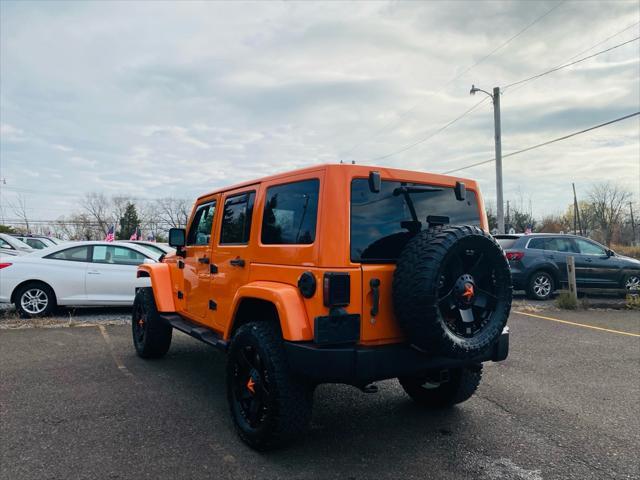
[[12, 246], [159, 248], [38, 241], [539, 264], [332, 274], [74, 273]]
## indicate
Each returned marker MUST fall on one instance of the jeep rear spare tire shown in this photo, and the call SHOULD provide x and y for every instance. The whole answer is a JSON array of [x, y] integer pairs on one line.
[[452, 291]]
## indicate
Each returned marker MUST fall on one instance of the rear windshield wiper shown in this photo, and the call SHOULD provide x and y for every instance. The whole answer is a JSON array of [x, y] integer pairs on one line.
[[405, 191]]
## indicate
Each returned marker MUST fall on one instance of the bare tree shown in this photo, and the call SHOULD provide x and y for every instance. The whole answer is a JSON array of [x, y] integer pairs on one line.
[[173, 211], [150, 219], [98, 207], [78, 226], [607, 201], [554, 224], [19, 207]]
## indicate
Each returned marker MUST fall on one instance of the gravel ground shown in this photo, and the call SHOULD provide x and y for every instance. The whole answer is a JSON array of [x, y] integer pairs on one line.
[[65, 317], [78, 317]]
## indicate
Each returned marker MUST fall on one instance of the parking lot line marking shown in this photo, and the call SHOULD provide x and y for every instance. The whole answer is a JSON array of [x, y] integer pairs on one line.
[[109, 343], [593, 327]]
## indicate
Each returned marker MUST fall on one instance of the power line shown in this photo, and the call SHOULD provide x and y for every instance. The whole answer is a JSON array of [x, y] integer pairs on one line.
[[394, 123], [474, 107], [533, 147], [604, 41], [569, 64], [433, 134]]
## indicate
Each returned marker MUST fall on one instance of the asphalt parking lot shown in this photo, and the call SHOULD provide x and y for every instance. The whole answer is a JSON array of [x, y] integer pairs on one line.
[[75, 402]]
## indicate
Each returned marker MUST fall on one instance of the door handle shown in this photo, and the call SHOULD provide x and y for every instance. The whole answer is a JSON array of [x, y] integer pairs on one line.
[[587, 259], [204, 260], [237, 262], [374, 283], [93, 273]]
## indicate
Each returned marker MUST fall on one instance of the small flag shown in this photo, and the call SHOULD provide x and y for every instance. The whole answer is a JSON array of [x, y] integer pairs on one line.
[[111, 234], [137, 234]]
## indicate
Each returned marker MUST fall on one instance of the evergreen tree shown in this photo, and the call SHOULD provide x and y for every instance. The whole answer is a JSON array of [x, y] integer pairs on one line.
[[128, 222]]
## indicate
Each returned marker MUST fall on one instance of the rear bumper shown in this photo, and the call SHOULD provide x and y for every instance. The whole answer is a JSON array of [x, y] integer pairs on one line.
[[358, 365], [518, 278]]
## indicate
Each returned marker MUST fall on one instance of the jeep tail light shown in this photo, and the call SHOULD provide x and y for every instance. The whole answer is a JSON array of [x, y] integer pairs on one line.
[[5, 265], [336, 289], [515, 256]]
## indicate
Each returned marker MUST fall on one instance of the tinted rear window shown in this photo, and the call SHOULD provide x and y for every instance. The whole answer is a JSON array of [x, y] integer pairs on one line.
[[506, 243], [377, 231]]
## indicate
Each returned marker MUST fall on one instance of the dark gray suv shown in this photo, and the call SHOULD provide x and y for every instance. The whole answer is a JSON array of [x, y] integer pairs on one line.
[[539, 264]]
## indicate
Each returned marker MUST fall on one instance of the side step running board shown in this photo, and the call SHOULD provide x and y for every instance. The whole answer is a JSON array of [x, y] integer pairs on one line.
[[196, 331]]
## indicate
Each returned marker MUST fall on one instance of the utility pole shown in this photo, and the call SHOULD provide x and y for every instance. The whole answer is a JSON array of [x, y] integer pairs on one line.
[[498, 141], [633, 224], [576, 211], [498, 138], [508, 223]]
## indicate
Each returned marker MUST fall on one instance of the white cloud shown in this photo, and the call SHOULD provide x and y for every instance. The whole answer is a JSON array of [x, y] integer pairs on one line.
[[62, 148], [180, 98], [9, 133]]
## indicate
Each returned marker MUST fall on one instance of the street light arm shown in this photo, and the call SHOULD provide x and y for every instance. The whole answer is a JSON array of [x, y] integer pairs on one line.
[[475, 89]]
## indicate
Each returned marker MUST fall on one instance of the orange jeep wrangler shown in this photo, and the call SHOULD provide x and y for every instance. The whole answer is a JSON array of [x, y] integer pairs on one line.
[[336, 273]]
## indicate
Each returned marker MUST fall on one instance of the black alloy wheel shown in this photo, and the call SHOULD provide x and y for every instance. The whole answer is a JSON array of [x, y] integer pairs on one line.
[[151, 334], [269, 406], [467, 293], [250, 387]]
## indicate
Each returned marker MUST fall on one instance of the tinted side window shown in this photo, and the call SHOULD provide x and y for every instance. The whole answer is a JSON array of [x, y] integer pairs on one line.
[[35, 243], [116, 255], [200, 230], [588, 248], [536, 243], [236, 220], [560, 245], [75, 254], [290, 213]]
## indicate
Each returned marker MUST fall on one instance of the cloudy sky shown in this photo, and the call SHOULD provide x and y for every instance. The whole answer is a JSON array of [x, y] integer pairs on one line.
[[165, 98]]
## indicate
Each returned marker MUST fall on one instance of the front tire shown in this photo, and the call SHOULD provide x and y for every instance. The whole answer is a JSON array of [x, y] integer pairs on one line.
[[151, 334], [461, 385], [269, 406], [541, 286], [35, 299], [632, 284]]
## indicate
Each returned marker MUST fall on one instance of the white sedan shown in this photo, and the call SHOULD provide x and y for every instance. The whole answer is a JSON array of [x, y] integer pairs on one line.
[[80, 274]]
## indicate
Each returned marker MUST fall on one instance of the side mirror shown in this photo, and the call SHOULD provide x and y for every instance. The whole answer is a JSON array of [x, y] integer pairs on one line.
[[461, 191], [177, 237], [375, 182], [610, 253]]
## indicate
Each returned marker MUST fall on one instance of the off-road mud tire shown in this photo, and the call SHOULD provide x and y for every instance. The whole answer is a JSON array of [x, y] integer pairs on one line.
[[416, 282], [289, 400], [152, 338], [462, 384]]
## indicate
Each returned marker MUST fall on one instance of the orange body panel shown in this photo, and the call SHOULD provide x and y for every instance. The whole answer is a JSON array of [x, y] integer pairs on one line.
[[161, 283], [271, 272], [288, 303]]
